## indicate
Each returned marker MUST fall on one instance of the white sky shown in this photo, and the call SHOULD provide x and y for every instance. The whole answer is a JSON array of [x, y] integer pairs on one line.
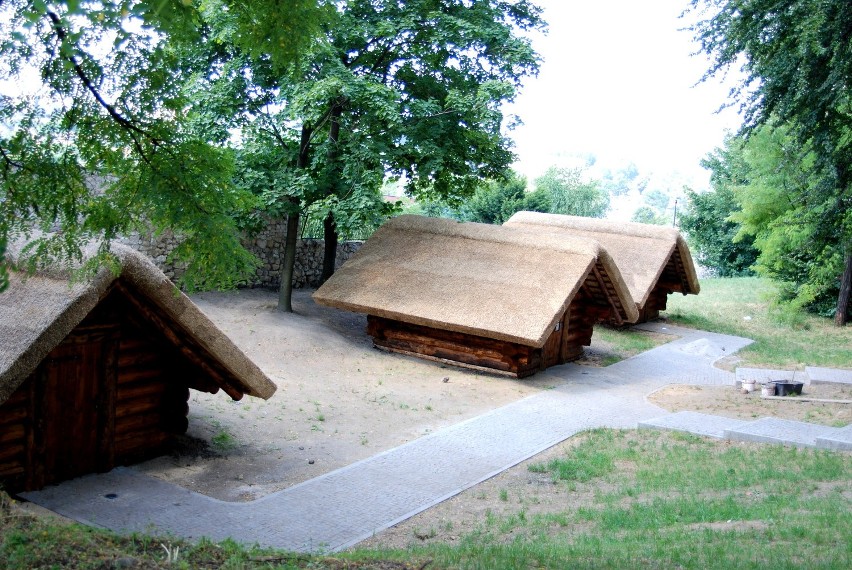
[[617, 82]]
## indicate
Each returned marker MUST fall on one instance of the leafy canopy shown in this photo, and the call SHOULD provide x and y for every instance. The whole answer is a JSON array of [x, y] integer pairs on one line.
[[571, 195], [797, 66], [109, 141]]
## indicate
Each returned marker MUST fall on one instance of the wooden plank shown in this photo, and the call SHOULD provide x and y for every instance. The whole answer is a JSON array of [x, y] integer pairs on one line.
[[35, 431], [183, 343], [139, 356], [609, 294], [504, 373], [134, 375], [141, 446], [12, 414], [453, 346], [172, 422], [107, 402], [14, 451], [798, 398], [11, 469], [19, 397], [149, 405], [12, 433], [142, 388]]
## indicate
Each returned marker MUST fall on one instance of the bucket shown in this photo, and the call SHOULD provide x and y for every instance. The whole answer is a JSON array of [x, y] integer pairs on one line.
[[788, 388]]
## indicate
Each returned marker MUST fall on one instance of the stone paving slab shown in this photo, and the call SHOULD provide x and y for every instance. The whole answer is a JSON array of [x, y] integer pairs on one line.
[[341, 508], [820, 375], [840, 441], [787, 432], [694, 422]]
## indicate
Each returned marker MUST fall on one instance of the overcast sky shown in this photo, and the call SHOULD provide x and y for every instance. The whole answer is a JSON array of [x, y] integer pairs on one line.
[[618, 82]]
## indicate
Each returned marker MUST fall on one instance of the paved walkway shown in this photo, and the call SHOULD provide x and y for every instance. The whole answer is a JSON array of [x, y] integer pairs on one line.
[[343, 507]]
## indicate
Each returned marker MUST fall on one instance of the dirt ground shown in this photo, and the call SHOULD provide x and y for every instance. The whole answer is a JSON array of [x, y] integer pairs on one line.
[[340, 400]]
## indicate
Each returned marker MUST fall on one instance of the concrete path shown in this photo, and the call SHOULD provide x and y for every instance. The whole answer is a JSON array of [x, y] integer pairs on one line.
[[343, 507]]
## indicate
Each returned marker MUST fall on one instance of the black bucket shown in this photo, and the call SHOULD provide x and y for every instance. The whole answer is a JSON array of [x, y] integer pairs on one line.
[[788, 388]]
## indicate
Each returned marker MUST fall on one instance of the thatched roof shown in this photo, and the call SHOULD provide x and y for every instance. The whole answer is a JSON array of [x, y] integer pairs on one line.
[[38, 312], [498, 282], [642, 251]]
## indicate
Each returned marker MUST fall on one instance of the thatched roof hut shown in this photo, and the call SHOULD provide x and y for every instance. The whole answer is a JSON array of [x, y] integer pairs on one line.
[[654, 260], [97, 374], [479, 295]]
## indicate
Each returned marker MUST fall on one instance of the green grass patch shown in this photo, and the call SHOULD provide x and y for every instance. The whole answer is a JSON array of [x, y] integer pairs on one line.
[[668, 500], [742, 307], [611, 345], [634, 499]]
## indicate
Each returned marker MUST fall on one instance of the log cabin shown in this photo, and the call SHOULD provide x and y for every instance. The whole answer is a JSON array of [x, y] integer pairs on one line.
[[499, 299], [654, 260], [97, 374]]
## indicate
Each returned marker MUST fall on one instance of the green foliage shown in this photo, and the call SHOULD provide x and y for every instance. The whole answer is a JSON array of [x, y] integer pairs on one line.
[[114, 140], [623, 180], [648, 215], [715, 238], [797, 85], [786, 204], [496, 201], [570, 194]]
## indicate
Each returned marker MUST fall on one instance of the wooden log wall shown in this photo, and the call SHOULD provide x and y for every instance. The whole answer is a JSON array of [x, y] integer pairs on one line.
[[455, 347], [566, 342], [14, 431], [141, 399], [151, 401]]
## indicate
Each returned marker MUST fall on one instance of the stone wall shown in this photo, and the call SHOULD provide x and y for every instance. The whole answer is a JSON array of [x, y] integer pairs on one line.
[[268, 246]]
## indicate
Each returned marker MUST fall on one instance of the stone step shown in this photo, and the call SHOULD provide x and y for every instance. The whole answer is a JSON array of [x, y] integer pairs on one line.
[[839, 441], [820, 375], [775, 430], [694, 422]]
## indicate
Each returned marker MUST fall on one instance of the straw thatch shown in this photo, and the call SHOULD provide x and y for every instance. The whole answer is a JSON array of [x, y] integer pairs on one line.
[[643, 252], [508, 284], [38, 312]]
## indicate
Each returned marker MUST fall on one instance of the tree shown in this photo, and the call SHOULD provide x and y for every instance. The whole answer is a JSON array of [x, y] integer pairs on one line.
[[781, 204], [495, 201], [718, 241], [570, 194], [111, 141], [408, 89], [797, 69]]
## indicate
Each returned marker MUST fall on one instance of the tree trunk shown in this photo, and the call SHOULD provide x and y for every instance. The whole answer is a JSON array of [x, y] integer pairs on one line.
[[329, 227], [285, 290], [329, 230], [841, 317]]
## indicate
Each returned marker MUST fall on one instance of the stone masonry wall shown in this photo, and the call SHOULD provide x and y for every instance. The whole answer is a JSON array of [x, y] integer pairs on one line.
[[268, 246]]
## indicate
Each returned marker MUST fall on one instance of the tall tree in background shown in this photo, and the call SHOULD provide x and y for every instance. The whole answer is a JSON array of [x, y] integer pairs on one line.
[[570, 194], [495, 201], [407, 89], [108, 141], [716, 239], [797, 66]]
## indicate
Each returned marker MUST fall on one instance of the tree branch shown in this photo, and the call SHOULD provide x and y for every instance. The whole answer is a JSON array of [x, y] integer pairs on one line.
[[87, 82]]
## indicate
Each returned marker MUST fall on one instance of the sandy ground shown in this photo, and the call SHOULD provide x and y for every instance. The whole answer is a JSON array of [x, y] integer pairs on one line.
[[340, 400]]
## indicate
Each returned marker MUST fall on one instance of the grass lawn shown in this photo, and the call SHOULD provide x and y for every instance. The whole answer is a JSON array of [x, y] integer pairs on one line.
[[633, 499], [740, 306]]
